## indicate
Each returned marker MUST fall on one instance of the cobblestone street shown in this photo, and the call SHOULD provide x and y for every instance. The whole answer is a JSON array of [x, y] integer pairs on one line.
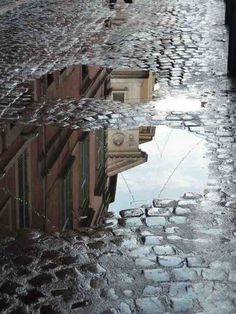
[[169, 255]]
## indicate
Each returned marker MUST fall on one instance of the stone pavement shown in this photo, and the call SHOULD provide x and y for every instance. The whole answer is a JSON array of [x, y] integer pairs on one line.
[[7, 5], [172, 257], [175, 256], [185, 44]]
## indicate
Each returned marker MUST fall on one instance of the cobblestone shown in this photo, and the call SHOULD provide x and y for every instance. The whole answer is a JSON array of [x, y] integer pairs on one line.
[[184, 43]]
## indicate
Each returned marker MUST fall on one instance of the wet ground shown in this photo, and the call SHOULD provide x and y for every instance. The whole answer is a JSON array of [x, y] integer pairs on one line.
[[109, 206]]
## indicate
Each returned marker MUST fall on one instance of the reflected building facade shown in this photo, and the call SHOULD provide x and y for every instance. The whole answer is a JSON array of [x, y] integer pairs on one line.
[[123, 148], [132, 85], [73, 82], [58, 178], [53, 178]]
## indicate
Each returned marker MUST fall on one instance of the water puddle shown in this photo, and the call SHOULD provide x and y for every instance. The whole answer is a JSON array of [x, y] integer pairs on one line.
[[175, 164], [77, 94], [58, 178], [183, 104], [62, 169]]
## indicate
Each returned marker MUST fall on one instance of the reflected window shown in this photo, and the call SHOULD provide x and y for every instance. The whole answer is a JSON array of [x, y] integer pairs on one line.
[[100, 148], [50, 79], [84, 72], [23, 190], [84, 172], [118, 96], [67, 201]]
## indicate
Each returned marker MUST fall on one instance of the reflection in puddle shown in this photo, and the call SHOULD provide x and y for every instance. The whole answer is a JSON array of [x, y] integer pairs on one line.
[[176, 164], [179, 104], [87, 81], [57, 178], [63, 96]]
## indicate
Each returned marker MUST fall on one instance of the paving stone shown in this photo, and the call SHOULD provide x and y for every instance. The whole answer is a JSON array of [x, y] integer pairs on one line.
[[214, 274], [195, 261], [170, 261], [164, 203], [182, 211], [162, 211], [185, 274], [164, 250], [48, 309], [96, 245], [151, 291], [174, 238], [152, 240], [156, 221], [171, 230], [146, 233], [81, 304], [182, 290], [178, 219], [232, 276], [181, 305], [110, 311], [69, 272], [31, 297], [142, 251], [188, 203], [133, 212], [65, 293], [128, 293], [94, 268], [124, 308], [98, 283], [157, 275], [4, 303], [41, 280], [149, 306], [9, 287], [145, 263], [23, 260], [131, 222]]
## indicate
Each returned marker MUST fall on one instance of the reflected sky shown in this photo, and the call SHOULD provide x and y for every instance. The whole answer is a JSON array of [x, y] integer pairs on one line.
[[169, 149], [179, 103]]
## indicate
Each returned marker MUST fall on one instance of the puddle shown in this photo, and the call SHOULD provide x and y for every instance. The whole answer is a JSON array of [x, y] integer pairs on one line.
[[78, 96], [178, 103], [58, 178], [175, 164]]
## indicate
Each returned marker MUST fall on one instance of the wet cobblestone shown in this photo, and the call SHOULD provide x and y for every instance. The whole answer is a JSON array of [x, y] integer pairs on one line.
[[175, 255]]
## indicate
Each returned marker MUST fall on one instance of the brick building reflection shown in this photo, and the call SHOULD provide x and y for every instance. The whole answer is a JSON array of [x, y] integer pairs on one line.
[[54, 178], [58, 178]]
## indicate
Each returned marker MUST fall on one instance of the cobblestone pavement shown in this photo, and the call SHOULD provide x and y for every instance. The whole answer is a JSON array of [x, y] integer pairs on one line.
[[172, 256], [185, 44], [6, 6]]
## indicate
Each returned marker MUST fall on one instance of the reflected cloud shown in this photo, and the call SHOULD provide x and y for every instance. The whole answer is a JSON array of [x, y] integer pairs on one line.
[[178, 104], [146, 181]]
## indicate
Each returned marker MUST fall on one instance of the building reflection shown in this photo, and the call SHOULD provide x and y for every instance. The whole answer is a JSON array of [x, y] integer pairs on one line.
[[73, 82], [132, 85], [55, 179]]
